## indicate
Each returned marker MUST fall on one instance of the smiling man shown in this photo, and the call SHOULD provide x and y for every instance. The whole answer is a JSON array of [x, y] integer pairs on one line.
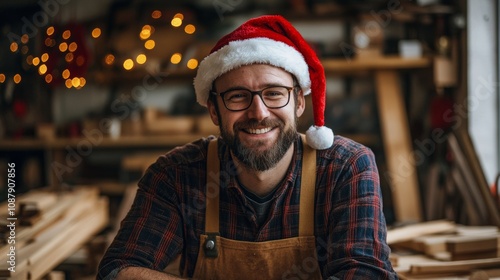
[[261, 201]]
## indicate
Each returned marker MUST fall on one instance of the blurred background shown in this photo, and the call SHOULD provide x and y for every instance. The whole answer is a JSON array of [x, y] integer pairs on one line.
[[92, 92]]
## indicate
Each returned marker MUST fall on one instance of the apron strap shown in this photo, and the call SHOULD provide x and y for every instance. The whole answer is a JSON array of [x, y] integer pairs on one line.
[[307, 189], [213, 175]]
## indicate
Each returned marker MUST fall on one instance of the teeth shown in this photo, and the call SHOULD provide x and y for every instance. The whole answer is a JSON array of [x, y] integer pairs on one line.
[[259, 131]]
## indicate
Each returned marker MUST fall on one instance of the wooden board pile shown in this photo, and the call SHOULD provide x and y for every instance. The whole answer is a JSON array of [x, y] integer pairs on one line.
[[50, 226], [445, 250]]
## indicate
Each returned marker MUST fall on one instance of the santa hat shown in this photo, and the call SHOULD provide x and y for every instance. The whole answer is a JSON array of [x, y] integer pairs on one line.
[[270, 40]]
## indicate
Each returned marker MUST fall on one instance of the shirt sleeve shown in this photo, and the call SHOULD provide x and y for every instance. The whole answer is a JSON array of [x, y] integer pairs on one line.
[[357, 247], [150, 236]]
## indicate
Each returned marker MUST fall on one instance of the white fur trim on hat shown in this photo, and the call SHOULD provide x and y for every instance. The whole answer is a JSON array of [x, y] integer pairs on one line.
[[245, 52], [319, 137]]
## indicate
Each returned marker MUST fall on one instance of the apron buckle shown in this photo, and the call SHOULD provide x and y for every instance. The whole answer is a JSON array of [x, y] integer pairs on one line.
[[210, 245]]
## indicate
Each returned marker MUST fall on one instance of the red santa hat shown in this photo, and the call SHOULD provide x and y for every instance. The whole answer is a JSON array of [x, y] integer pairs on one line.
[[270, 40]]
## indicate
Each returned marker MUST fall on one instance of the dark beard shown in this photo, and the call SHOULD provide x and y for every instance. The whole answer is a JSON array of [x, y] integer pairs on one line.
[[265, 160]]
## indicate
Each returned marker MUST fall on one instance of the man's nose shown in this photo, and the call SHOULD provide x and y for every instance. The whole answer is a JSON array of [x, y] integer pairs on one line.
[[257, 110]]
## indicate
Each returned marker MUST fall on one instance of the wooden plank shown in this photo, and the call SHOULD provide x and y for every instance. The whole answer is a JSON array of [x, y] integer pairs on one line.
[[454, 266], [469, 244], [402, 172], [69, 241], [483, 188], [410, 232]]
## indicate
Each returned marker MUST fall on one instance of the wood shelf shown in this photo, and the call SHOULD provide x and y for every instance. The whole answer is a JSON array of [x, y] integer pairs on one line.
[[122, 142], [349, 65]]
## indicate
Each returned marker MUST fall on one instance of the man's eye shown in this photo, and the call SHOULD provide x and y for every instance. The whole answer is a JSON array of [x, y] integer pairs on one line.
[[236, 96]]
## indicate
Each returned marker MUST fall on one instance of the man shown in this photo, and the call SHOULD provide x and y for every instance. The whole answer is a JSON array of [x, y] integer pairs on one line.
[[260, 201]]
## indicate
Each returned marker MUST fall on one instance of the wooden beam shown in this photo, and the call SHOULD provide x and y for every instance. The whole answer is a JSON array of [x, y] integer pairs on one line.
[[410, 232], [402, 172]]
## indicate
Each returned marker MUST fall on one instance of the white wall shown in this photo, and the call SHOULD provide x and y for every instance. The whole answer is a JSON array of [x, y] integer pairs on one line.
[[483, 82]]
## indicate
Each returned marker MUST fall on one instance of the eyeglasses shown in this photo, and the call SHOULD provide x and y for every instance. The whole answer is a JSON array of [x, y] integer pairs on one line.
[[274, 97]]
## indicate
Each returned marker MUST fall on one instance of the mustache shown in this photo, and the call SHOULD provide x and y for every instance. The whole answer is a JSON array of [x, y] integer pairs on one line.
[[253, 124]]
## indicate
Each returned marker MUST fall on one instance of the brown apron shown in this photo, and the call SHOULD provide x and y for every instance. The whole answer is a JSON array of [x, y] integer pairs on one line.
[[291, 258]]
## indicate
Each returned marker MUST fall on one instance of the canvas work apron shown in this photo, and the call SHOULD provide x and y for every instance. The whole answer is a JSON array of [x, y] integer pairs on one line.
[[290, 258]]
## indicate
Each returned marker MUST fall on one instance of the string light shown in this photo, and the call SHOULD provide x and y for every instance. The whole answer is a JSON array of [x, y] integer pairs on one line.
[[69, 57], [68, 83], [141, 59], [14, 47], [72, 47], [189, 29], [156, 14], [50, 30], [66, 74], [128, 64], [96, 32], [63, 46], [176, 22], [192, 63], [48, 78], [149, 44], [42, 69], [2, 78], [45, 57], [176, 58], [66, 34], [109, 59], [17, 78], [25, 38], [36, 61]]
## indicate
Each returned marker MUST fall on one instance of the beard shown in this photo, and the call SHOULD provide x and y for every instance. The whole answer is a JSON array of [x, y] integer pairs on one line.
[[253, 157]]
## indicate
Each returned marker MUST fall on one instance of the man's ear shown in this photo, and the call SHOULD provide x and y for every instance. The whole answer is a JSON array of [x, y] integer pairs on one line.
[[301, 103], [212, 110]]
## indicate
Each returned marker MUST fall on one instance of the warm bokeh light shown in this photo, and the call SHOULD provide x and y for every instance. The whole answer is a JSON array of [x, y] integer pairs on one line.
[[82, 81], [109, 59], [149, 44], [80, 60], [176, 58], [75, 82], [72, 47], [192, 63], [69, 57], [45, 57], [2, 78], [68, 83], [176, 22], [179, 16], [66, 74], [50, 30], [63, 46], [24, 50], [128, 64], [48, 78], [14, 47], [29, 59], [156, 14], [42, 69], [141, 59], [49, 42], [17, 78], [35, 61], [25, 38], [145, 34], [66, 34], [189, 29], [96, 32]]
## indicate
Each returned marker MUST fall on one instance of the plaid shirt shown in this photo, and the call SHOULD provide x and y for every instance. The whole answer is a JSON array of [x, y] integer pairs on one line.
[[168, 213]]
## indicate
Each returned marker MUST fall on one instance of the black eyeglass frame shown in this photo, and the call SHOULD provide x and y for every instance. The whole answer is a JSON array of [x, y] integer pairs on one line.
[[257, 92]]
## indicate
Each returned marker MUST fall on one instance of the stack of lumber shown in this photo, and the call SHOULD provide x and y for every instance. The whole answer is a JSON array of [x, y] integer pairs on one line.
[[445, 250], [50, 227]]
